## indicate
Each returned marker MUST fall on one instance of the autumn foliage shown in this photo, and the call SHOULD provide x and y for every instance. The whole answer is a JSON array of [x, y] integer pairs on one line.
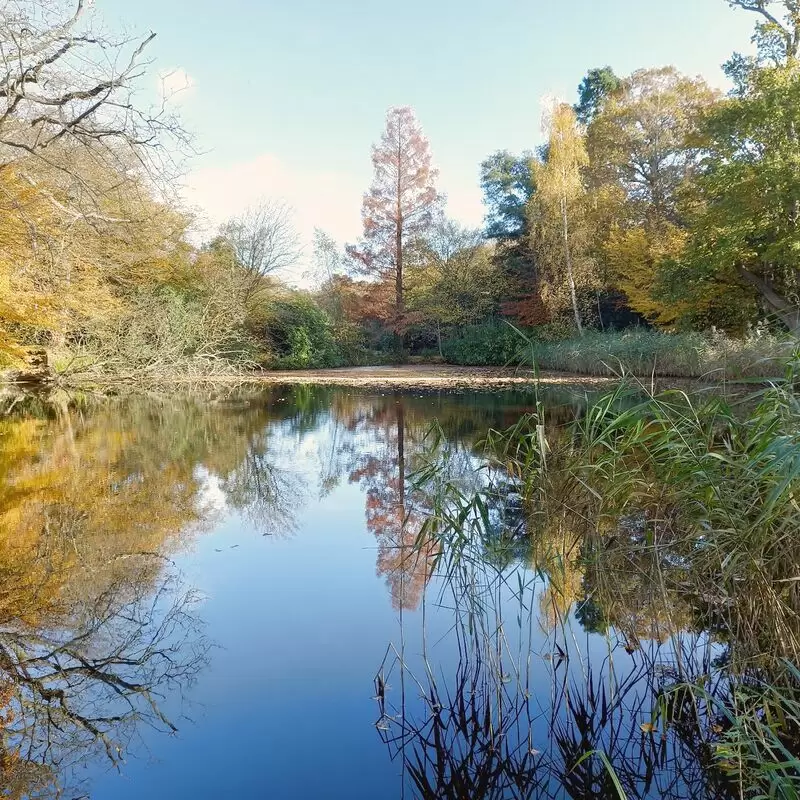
[[399, 206], [654, 201]]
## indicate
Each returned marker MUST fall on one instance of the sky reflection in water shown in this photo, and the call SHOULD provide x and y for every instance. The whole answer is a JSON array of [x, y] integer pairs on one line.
[[306, 657]]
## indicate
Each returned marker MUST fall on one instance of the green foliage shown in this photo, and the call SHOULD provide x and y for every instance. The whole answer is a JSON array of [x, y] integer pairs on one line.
[[776, 37], [490, 344], [598, 85], [724, 481], [645, 142], [637, 351], [745, 209], [653, 190], [675, 516], [452, 279], [507, 183], [301, 335]]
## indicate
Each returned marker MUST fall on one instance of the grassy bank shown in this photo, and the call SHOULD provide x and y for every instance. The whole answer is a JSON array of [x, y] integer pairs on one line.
[[637, 351], [135, 358]]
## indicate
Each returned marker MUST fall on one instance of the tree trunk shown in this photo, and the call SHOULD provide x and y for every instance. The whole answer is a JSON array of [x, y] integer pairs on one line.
[[35, 368], [570, 275], [406, 552], [439, 339], [398, 286], [600, 312], [786, 311], [400, 418], [400, 421]]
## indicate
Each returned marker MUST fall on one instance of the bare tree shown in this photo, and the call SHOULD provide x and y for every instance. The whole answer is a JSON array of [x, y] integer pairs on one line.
[[63, 84], [264, 240], [264, 489], [84, 688]]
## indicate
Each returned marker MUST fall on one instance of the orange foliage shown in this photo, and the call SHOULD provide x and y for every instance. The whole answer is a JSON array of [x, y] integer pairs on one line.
[[394, 512], [528, 310]]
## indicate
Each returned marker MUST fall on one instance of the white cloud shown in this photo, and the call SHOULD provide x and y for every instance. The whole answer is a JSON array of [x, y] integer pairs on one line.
[[174, 83], [211, 496], [464, 200]]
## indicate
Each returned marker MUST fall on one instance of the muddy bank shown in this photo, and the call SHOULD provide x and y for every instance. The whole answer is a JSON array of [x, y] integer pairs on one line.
[[428, 377], [409, 376]]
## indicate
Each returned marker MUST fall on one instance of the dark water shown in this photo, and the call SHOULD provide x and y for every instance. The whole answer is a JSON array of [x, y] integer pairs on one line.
[[216, 597]]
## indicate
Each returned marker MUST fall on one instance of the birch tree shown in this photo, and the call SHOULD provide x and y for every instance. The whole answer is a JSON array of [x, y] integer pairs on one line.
[[559, 222]]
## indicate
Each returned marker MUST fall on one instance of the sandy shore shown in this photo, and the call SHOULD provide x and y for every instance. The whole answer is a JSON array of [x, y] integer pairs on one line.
[[428, 376]]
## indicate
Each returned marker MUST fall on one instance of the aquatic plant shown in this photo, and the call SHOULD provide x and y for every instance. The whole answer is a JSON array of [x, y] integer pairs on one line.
[[649, 517]]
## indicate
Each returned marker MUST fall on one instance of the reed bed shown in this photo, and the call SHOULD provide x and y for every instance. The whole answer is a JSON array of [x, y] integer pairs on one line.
[[667, 518]]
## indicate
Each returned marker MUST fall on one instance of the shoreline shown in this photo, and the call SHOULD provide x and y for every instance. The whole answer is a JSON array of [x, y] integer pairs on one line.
[[419, 376], [408, 376]]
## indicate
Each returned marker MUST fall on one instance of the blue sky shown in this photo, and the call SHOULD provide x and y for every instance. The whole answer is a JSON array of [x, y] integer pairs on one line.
[[287, 96]]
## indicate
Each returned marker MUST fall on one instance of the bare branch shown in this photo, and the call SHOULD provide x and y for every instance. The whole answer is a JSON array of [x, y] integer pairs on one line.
[[60, 81], [264, 241]]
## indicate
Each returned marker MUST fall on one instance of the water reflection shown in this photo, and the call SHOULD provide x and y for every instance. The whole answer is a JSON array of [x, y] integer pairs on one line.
[[517, 715], [521, 655], [98, 496]]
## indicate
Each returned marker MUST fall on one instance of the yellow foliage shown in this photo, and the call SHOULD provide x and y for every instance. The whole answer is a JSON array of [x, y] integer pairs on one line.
[[70, 509], [22, 301], [633, 257], [97, 497], [559, 215], [68, 264]]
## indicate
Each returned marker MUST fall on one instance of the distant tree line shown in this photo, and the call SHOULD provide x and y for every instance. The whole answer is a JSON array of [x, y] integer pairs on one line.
[[655, 200]]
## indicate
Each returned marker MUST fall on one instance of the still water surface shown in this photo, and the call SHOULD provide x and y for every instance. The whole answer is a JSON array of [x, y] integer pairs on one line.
[[214, 596]]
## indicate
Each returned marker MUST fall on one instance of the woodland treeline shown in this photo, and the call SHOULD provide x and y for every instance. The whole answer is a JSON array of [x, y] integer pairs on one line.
[[656, 202]]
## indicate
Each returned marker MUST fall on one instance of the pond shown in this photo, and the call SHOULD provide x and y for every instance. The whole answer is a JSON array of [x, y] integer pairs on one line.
[[235, 595]]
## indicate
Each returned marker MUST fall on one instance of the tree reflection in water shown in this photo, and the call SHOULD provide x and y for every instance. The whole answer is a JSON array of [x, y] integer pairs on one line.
[[523, 714], [384, 447], [394, 513], [571, 655], [88, 682], [98, 637]]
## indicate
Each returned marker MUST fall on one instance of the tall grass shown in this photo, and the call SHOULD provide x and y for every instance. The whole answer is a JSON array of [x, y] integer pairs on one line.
[[717, 484], [645, 352], [658, 515], [716, 490], [638, 351]]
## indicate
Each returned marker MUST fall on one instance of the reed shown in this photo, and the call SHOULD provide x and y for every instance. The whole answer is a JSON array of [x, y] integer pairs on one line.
[[657, 517]]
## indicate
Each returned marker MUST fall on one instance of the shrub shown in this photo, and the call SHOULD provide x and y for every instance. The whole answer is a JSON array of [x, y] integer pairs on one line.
[[490, 344], [158, 332], [301, 335]]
